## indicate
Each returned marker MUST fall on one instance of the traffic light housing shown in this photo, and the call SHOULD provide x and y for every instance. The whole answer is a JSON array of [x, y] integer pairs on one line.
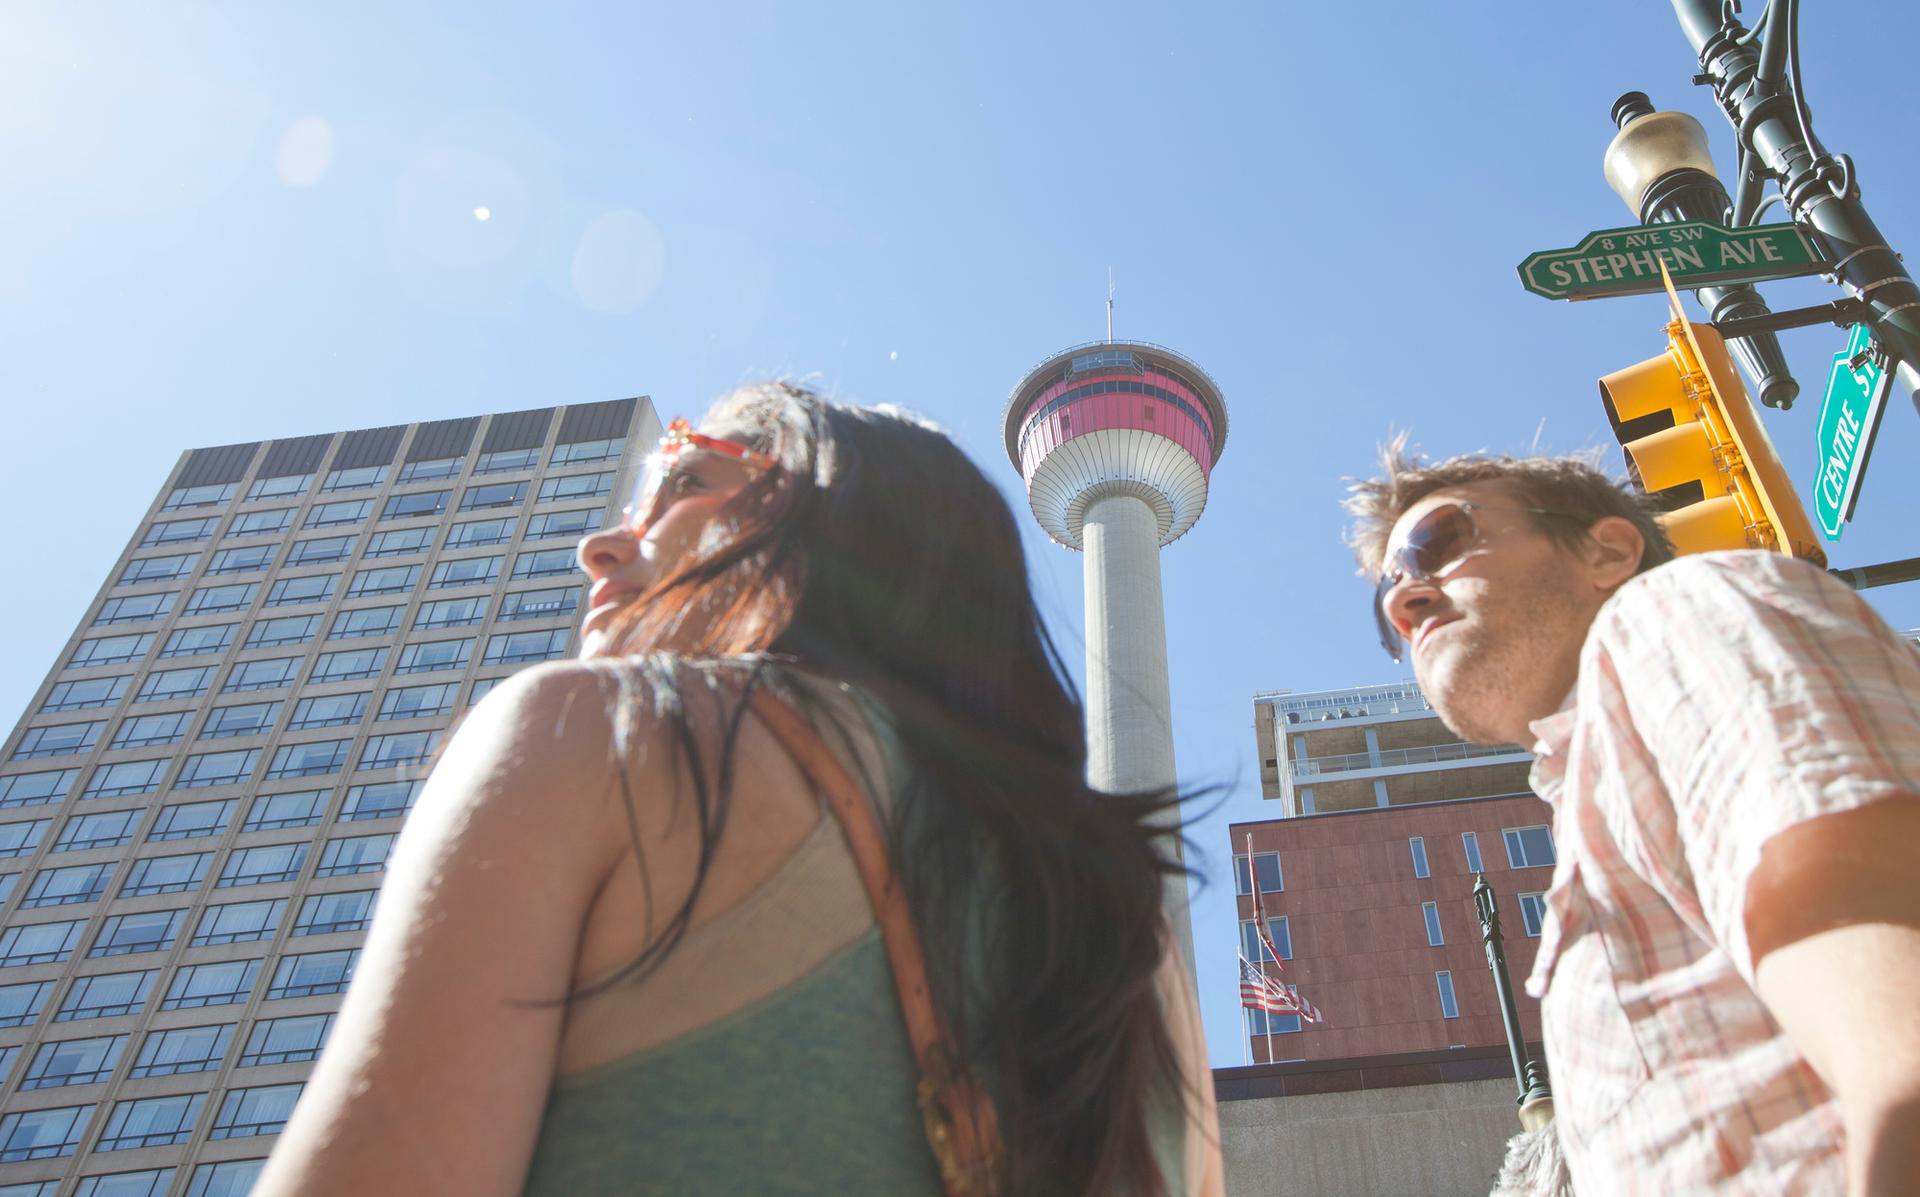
[[1684, 420]]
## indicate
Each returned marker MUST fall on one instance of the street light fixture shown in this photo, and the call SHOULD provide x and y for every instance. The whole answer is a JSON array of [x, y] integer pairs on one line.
[[1661, 168]]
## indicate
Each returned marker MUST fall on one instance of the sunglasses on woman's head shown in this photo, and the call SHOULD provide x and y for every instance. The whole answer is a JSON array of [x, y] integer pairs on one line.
[[1437, 541], [659, 467]]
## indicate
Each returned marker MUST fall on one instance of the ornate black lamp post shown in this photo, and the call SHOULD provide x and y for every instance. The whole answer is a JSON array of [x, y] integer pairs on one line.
[[1536, 1099]]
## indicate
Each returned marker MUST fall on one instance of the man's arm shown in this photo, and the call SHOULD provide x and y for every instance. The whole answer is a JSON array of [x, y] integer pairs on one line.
[[1833, 919]]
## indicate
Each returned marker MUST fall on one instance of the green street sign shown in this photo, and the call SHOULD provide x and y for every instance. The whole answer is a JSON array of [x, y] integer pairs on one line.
[[1698, 253], [1849, 417]]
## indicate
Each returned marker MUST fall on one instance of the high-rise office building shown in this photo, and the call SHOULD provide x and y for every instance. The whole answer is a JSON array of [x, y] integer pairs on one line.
[[1386, 818], [196, 808]]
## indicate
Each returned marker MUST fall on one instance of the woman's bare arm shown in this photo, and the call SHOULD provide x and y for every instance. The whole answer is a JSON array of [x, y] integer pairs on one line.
[[438, 1070]]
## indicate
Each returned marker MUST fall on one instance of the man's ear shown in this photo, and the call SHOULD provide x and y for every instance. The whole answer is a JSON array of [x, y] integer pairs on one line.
[[1612, 551]]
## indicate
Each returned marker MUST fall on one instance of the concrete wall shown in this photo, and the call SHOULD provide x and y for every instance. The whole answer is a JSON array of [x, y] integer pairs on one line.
[[1425, 1140]]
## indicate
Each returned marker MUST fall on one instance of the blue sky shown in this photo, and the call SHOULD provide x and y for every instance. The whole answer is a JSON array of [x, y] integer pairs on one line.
[[234, 222]]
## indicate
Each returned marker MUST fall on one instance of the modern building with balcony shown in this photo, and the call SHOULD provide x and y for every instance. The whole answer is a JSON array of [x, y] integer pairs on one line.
[[197, 806]]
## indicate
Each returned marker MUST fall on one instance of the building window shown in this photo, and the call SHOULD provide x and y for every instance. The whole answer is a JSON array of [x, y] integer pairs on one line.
[[179, 532], [338, 514], [577, 486], [348, 664], [582, 452], [383, 579], [314, 588], [62, 739], [365, 621], [1251, 947], [127, 777], [315, 758], [239, 922], [192, 820], [145, 731], [157, 569], [280, 487], [431, 655], [136, 608], [570, 524], [228, 1178], [110, 650], [164, 684], [108, 829], [20, 1004], [324, 550], [314, 974], [224, 983], [1431, 912], [1449, 1008], [74, 1062], [42, 1134], [466, 571], [328, 710], [553, 603], [403, 748], [217, 768], [286, 1040], [145, 931], [242, 560], [270, 674], [36, 789], [515, 648], [151, 1122], [261, 523], [244, 719], [546, 563], [354, 854], [166, 874], [354, 478], [1533, 913], [67, 886], [20, 839], [1272, 880], [475, 533], [426, 502], [493, 494], [482, 688], [430, 471], [181, 1050], [258, 1111], [1470, 844], [288, 629], [1529, 847], [106, 995], [381, 800], [396, 541], [323, 914], [503, 460], [1418, 846], [211, 495], [1262, 1023], [271, 812], [451, 613], [193, 642], [418, 702], [210, 600], [41, 943], [258, 866]]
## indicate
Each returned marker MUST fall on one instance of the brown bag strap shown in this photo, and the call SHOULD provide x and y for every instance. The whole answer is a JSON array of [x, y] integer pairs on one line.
[[962, 1127]]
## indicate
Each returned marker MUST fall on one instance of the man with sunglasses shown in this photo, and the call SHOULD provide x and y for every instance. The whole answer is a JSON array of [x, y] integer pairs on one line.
[[1730, 963]]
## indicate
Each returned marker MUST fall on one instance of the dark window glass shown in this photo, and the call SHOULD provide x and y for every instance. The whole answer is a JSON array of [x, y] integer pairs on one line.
[[338, 514], [493, 494], [1271, 879], [287, 629], [135, 608], [261, 523], [241, 560], [395, 541], [405, 748], [451, 613], [106, 995], [20, 839], [263, 675], [20, 1004], [74, 1062], [1529, 847], [321, 550], [220, 984], [84, 694], [157, 569], [67, 886], [258, 866], [355, 478], [193, 642], [425, 502], [581, 452], [415, 702], [179, 1050], [244, 719], [384, 579], [467, 571], [348, 664], [540, 604], [211, 495], [577, 486], [163, 684], [312, 759], [110, 650], [42, 1134], [166, 874], [322, 914], [234, 596], [379, 801], [317, 588], [41, 943], [474, 533], [546, 563], [354, 854], [435, 655], [365, 621], [179, 532], [239, 922], [518, 647], [144, 931], [286, 1040], [61, 739], [313, 973], [105, 829], [151, 1122], [216, 768], [328, 710], [506, 459], [273, 811], [259, 1111], [274, 488], [430, 471], [570, 524], [125, 777], [36, 789], [192, 820]]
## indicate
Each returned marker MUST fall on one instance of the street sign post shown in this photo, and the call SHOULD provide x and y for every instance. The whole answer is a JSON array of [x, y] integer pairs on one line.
[[1849, 417], [1696, 253]]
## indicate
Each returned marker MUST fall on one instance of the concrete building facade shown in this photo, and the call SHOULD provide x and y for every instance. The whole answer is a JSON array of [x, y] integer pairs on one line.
[[196, 807]]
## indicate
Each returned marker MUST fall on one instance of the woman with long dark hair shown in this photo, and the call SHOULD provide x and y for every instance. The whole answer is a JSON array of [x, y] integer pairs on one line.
[[621, 947]]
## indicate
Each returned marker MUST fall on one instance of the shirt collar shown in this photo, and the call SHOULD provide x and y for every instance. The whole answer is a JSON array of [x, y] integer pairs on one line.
[[1552, 733]]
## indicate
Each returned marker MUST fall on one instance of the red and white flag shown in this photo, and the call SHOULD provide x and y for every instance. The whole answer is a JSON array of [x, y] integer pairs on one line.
[[1260, 910], [1258, 991]]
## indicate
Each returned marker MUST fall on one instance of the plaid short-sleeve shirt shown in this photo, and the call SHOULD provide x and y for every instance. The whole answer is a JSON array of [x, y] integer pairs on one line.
[[1722, 699]]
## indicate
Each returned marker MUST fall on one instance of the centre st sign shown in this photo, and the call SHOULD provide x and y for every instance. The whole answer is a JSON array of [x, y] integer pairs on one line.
[[1849, 417], [1697, 253]]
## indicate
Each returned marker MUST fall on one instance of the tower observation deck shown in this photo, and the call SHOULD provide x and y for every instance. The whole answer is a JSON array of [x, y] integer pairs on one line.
[[1116, 441]]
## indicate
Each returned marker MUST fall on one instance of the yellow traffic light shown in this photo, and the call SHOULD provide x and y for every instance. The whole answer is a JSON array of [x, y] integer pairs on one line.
[[1716, 440]]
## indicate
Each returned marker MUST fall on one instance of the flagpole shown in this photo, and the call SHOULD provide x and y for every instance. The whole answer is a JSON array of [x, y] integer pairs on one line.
[[1246, 1033]]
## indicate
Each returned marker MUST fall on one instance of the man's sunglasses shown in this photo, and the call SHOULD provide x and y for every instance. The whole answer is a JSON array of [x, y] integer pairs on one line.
[[1438, 541], [660, 466]]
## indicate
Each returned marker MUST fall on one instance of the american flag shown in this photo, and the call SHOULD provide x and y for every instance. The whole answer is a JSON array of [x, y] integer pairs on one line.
[[1258, 991]]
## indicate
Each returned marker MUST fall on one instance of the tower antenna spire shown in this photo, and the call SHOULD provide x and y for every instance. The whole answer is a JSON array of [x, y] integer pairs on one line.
[[1109, 305]]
